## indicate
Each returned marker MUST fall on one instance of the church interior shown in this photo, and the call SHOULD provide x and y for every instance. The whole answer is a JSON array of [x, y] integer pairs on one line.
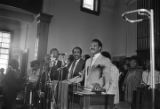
[[79, 54]]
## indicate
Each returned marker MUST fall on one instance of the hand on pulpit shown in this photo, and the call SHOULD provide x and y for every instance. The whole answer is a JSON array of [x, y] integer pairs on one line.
[[97, 87]]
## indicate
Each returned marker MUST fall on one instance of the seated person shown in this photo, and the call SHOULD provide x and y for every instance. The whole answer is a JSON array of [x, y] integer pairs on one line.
[[146, 75]]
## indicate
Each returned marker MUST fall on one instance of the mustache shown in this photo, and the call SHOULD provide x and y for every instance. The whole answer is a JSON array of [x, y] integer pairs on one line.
[[92, 49]]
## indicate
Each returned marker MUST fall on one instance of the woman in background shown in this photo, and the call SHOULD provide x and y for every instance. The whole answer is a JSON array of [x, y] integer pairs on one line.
[[132, 79]]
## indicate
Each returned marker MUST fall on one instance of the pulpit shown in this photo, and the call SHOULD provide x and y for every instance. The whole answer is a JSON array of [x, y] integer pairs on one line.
[[91, 100]]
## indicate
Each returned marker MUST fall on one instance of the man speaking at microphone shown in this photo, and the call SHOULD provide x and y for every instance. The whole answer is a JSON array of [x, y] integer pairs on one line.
[[55, 64]]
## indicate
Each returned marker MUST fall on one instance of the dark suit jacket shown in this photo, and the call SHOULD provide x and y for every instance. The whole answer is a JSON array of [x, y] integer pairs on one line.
[[79, 67], [55, 74]]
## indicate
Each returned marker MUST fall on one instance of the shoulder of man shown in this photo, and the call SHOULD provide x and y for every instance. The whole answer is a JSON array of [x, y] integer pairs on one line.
[[105, 60], [88, 60], [82, 61], [114, 68]]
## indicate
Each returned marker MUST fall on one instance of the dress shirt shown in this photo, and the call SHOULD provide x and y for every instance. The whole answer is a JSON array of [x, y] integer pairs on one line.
[[74, 66], [146, 77], [95, 58], [71, 72]]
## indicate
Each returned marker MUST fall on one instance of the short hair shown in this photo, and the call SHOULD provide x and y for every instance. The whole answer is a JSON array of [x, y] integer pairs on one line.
[[35, 62], [135, 58], [97, 41], [106, 54], [53, 49], [14, 63], [71, 58], [86, 56], [77, 48]]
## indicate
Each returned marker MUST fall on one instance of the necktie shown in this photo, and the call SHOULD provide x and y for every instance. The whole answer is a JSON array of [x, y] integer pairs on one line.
[[71, 70], [91, 62]]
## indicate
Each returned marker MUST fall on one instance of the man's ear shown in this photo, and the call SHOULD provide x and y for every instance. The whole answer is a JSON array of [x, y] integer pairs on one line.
[[100, 48]]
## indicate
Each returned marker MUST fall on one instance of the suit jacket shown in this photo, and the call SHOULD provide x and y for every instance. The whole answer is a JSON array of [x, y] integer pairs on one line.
[[78, 68], [55, 74], [95, 75]]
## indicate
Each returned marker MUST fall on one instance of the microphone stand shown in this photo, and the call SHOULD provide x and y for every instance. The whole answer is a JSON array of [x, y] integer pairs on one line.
[[49, 91], [60, 77], [40, 101]]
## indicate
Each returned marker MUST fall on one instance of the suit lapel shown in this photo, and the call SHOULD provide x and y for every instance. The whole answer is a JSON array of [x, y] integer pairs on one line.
[[91, 67], [96, 61], [77, 66]]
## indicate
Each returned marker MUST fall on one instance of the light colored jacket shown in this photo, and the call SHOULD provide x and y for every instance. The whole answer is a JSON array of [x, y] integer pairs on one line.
[[107, 78], [92, 74]]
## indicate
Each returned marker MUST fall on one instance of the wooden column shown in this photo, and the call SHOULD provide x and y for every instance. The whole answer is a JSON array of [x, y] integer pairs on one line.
[[43, 21]]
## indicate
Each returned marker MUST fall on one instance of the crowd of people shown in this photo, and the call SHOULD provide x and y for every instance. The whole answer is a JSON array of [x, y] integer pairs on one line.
[[95, 72]]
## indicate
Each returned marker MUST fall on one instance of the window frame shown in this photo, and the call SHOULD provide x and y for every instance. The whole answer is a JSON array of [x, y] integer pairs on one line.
[[94, 11]]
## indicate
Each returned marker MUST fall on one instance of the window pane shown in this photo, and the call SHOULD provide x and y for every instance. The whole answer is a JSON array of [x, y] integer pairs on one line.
[[89, 4], [6, 40], [3, 61], [2, 56], [6, 35], [3, 66], [5, 45], [4, 51], [0, 39], [0, 34]]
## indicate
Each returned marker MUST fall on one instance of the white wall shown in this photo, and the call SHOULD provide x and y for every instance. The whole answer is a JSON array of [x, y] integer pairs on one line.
[[124, 41], [70, 27]]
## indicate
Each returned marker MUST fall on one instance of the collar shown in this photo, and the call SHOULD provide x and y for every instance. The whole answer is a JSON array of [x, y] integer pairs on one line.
[[96, 55], [76, 61], [93, 60]]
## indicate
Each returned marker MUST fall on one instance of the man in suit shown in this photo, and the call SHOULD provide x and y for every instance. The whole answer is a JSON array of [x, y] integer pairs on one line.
[[76, 66], [97, 68], [74, 70], [55, 64], [52, 73]]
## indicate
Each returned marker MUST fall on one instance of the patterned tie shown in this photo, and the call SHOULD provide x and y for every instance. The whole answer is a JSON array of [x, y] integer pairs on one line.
[[71, 71]]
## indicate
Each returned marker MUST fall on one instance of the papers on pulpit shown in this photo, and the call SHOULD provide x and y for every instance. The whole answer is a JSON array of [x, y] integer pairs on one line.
[[76, 79], [85, 92]]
